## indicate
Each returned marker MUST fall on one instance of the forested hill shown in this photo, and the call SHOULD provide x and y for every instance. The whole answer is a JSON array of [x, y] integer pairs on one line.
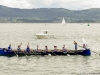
[[48, 15]]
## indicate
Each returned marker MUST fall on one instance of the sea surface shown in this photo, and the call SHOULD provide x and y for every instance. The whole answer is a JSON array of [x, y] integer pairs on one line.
[[16, 33]]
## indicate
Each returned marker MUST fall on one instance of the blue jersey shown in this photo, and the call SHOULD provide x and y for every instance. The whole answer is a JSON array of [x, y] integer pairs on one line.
[[27, 49], [46, 49], [55, 50], [64, 50], [75, 46], [9, 48], [36, 50], [18, 49]]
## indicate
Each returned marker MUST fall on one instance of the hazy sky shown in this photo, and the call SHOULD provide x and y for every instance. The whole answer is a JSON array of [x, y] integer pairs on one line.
[[68, 4]]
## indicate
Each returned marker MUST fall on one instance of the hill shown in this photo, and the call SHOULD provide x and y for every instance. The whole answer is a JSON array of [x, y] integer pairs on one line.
[[48, 15]]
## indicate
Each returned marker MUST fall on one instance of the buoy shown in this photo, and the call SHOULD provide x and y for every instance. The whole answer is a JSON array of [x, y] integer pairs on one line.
[[88, 24]]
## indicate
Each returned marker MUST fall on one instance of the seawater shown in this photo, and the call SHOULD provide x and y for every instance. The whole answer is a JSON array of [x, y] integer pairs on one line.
[[15, 33]]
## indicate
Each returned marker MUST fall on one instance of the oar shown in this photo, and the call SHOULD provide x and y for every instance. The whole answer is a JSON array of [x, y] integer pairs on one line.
[[91, 50], [25, 54], [84, 42], [16, 53], [95, 52]]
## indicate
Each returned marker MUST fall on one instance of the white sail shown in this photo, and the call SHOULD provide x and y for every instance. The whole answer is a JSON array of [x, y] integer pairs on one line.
[[63, 21], [84, 43]]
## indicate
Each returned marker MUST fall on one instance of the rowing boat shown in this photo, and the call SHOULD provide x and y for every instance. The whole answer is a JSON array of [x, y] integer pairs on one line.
[[6, 52]]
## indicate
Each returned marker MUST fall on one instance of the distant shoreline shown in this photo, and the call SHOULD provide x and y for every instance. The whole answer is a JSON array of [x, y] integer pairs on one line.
[[51, 15]]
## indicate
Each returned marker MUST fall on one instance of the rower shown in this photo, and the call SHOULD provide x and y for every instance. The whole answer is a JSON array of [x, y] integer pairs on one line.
[[37, 49], [18, 48], [55, 49], [85, 46], [46, 49], [9, 47], [75, 43], [28, 48], [84, 43], [64, 49]]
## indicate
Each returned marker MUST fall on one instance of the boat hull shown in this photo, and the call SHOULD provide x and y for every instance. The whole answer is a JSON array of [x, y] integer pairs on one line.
[[5, 52], [39, 36]]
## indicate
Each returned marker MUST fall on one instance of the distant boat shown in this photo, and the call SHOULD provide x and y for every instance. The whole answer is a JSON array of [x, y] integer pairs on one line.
[[63, 21], [44, 35]]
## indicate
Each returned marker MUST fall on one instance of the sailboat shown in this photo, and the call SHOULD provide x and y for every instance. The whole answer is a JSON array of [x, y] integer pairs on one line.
[[63, 21]]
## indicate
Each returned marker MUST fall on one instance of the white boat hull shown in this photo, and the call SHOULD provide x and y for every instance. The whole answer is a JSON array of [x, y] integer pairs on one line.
[[39, 36]]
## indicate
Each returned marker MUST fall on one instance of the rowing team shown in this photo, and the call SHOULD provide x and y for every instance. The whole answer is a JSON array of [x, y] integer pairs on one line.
[[46, 48], [38, 50]]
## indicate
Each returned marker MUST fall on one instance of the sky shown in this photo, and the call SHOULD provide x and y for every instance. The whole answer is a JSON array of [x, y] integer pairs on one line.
[[67, 4]]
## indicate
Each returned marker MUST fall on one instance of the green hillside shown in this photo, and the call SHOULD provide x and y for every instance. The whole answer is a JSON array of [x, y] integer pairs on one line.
[[48, 15]]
